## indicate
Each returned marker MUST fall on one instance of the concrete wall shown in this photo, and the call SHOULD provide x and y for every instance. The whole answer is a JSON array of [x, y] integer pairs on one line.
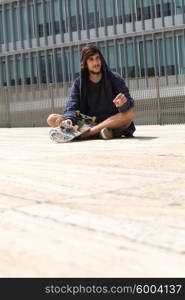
[[157, 102]]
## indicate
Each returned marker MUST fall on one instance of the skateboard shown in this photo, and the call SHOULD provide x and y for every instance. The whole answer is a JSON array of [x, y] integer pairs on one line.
[[66, 132]]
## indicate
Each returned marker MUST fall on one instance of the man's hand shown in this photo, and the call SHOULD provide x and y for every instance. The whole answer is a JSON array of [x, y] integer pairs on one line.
[[120, 100]]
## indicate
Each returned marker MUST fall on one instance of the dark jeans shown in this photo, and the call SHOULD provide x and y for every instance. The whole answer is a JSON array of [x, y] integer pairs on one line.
[[127, 132]]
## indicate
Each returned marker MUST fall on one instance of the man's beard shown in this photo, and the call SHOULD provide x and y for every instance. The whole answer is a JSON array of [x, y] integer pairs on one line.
[[95, 73]]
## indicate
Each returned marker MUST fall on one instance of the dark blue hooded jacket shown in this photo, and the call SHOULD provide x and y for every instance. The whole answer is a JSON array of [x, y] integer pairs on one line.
[[113, 84]]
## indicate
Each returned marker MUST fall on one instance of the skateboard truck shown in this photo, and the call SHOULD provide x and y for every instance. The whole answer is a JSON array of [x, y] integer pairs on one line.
[[69, 127], [85, 117]]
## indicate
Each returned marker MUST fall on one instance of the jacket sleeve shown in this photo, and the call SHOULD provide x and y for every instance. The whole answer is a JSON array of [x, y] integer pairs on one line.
[[120, 87], [73, 101]]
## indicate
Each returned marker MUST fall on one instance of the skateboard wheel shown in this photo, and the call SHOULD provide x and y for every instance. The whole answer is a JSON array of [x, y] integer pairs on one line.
[[76, 127], [57, 122], [94, 119]]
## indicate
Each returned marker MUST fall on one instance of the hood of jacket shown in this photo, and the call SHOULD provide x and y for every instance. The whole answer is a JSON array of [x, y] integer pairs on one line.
[[83, 85]]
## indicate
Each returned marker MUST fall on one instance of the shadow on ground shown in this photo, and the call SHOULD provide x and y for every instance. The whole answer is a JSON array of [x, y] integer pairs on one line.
[[144, 138], [141, 138]]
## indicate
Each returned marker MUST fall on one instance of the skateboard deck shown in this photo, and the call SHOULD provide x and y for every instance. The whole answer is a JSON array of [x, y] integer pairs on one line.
[[66, 133]]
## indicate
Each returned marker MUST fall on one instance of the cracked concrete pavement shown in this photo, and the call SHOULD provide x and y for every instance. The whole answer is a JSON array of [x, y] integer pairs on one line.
[[93, 208]]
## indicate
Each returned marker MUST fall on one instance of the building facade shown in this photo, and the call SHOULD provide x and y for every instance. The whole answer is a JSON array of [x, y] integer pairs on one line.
[[41, 40]]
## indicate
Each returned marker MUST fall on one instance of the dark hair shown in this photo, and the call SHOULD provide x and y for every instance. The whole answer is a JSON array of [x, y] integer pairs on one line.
[[86, 53]]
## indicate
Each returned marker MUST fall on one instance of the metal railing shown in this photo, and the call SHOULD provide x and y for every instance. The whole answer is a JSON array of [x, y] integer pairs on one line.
[[157, 101]]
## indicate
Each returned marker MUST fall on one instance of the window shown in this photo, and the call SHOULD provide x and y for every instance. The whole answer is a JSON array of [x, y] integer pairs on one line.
[[65, 16], [157, 9], [68, 74], [122, 64], [76, 63], [50, 67], [140, 54], [19, 73], [138, 10], [167, 11], [119, 11], [150, 58], [170, 56], [109, 12], [91, 13], [178, 7], [112, 58], [34, 68], [100, 11], [48, 17], [27, 69], [31, 20], [181, 54], [147, 9], [72, 14], [12, 71], [43, 68], [161, 61], [8, 24], [103, 50], [59, 66], [128, 10], [40, 20], [15, 22], [56, 17], [24, 24], [81, 15], [1, 30], [130, 60], [3, 73]]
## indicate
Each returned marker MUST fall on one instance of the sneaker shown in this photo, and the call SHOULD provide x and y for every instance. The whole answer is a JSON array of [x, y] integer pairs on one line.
[[106, 134], [129, 135]]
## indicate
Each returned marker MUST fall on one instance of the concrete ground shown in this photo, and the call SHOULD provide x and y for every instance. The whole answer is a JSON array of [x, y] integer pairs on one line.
[[93, 208]]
